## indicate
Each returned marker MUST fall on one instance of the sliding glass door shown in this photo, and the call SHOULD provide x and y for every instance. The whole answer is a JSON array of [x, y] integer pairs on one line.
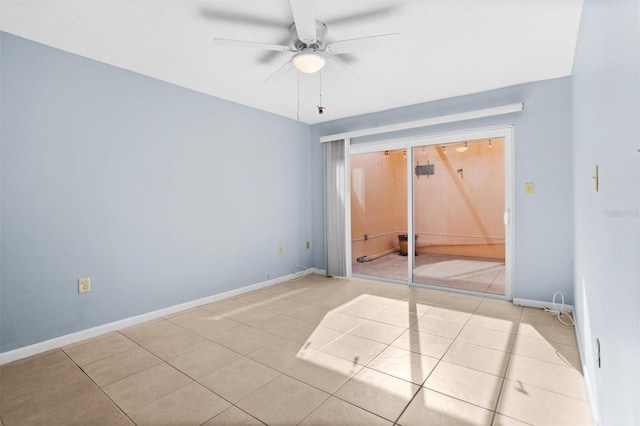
[[458, 209], [379, 214], [435, 211]]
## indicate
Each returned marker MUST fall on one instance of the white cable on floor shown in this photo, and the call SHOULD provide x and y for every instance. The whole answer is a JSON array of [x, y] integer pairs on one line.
[[301, 273], [558, 311]]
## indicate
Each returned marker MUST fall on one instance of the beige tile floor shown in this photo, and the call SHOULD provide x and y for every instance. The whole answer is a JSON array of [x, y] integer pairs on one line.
[[316, 351], [460, 272]]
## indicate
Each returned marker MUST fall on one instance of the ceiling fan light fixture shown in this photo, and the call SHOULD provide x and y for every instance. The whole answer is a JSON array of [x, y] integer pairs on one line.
[[309, 61]]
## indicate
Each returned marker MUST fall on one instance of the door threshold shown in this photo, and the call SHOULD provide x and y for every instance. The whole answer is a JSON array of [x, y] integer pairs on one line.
[[460, 291], [380, 279]]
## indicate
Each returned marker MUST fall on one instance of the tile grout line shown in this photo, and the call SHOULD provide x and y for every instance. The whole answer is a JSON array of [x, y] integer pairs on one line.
[[192, 378], [98, 387], [422, 386], [381, 372], [163, 361], [438, 363], [333, 394], [395, 422], [343, 333]]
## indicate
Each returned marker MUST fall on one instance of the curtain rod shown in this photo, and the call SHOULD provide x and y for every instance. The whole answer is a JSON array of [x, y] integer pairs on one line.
[[451, 118]]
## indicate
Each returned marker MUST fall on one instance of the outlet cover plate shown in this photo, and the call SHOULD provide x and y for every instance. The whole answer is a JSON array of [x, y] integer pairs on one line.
[[84, 285]]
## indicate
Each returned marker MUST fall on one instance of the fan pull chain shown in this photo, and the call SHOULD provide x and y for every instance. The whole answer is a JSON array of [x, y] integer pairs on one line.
[[298, 113], [320, 107], [320, 89]]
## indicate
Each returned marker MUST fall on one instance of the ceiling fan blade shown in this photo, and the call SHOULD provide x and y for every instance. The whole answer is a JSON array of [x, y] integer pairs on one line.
[[363, 16], [270, 56], [338, 61], [304, 16], [229, 16], [384, 41], [280, 73], [345, 58], [251, 44]]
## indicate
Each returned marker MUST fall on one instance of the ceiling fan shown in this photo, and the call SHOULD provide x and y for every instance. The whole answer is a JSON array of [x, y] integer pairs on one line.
[[309, 45]]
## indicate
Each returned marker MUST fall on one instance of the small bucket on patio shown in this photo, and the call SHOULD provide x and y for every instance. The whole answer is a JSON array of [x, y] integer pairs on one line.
[[404, 246]]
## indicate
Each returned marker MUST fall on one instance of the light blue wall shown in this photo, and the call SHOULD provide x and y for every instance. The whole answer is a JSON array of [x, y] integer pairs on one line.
[[1, 134], [543, 221], [606, 115], [161, 195]]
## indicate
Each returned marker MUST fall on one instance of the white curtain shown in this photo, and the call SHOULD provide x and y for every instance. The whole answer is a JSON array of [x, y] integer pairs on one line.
[[335, 178]]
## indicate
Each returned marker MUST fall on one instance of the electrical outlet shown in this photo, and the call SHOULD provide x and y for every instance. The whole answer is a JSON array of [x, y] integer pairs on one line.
[[528, 188], [84, 285], [308, 244], [280, 249]]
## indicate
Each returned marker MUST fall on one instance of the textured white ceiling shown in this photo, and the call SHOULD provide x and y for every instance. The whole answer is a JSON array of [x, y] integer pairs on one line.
[[449, 47]]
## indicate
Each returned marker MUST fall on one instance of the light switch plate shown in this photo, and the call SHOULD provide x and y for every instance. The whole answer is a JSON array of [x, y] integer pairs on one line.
[[528, 188]]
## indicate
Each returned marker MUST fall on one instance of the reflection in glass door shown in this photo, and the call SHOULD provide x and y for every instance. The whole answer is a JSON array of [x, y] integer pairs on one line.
[[379, 214], [458, 206]]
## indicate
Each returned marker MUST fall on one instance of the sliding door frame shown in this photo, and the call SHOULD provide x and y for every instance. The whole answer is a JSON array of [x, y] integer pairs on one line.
[[503, 131]]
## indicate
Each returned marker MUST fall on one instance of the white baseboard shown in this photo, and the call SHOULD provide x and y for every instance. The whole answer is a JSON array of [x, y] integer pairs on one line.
[[589, 386], [539, 304], [591, 401], [68, 339]]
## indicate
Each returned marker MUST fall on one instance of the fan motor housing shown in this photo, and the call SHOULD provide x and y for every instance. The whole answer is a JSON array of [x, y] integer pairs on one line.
[[318, 44]]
